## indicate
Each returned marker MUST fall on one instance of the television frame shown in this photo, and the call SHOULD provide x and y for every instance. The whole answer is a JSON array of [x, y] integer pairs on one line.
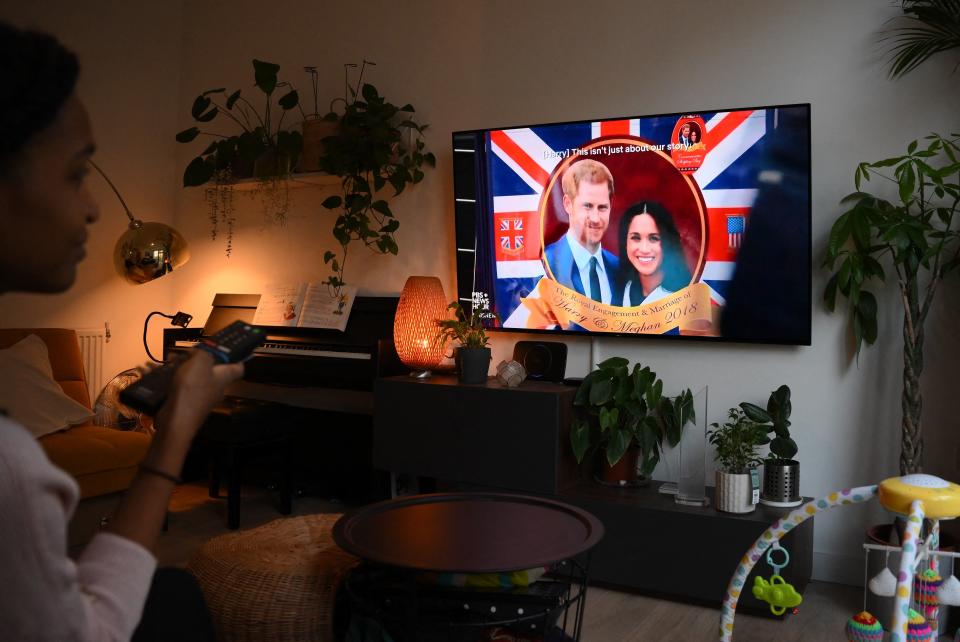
[[466, 161]]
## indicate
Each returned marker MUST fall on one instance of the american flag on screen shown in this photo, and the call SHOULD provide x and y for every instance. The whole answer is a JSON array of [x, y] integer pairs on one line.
[[522, 161], [735, 229]]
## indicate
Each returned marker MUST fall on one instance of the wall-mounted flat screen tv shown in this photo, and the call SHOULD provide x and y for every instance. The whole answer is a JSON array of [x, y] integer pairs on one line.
[[683, 225]]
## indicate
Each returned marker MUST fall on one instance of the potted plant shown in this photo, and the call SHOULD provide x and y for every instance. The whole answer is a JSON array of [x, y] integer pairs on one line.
[[624, 415], [736, 443], [781, 473], [916, 233], [375, 144], [262, 148], [472, 356], [315, 128]]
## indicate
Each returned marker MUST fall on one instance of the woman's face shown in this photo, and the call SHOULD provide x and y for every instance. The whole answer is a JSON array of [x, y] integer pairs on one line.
[[693, 135], [643, 245], [45, 206]]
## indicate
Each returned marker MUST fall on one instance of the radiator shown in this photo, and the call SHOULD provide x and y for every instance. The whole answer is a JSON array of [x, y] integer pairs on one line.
[[91, 349]]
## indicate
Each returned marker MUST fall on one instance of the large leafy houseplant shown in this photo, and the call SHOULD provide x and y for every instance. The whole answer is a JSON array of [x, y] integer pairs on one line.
[[915, 235], [617, 408], [931, 27], [261, 148], [376, 144]]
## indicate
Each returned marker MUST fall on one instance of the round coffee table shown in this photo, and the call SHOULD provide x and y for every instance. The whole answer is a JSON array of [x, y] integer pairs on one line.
[[403, 540]]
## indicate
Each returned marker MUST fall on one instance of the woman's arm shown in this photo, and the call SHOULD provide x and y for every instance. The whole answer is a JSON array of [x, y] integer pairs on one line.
[[197, 386]]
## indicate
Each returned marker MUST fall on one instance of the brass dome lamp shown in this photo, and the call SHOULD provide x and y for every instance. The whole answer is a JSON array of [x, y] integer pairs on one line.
[[146, 251]]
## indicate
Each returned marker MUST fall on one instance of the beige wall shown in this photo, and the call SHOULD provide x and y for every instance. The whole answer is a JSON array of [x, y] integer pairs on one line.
[[130, 70], [494, 63]]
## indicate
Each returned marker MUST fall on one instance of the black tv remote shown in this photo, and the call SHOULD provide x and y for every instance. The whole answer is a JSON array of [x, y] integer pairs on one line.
[[232, 344]]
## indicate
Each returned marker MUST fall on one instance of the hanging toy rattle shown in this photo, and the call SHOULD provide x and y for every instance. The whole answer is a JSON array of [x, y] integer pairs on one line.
[[777, 592]]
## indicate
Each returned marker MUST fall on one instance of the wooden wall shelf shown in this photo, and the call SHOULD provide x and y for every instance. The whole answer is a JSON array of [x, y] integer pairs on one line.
[[306, 179]]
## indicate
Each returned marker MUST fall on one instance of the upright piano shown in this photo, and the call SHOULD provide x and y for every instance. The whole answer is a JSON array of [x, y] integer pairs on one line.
[[324, 376]]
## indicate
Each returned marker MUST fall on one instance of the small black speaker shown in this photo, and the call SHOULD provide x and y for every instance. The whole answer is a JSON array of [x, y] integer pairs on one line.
[[543, 360]]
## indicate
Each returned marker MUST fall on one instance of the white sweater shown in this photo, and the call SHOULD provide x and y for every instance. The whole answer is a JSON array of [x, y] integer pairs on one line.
[[44, 595]]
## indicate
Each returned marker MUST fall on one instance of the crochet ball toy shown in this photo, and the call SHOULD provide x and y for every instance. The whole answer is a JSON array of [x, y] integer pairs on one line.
[[918, 630], [925, 585], [863, 627]]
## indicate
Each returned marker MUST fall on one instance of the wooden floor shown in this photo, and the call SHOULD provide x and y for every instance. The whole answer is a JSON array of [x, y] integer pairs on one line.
[[611, 616]]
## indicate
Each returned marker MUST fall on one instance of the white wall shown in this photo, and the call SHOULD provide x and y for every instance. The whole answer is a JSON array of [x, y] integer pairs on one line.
[[472, 65], [129, 81]]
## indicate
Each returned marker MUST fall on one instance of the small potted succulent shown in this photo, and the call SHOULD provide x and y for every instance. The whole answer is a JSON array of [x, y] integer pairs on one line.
[[781, 473], [473, 355], [623, 414], [736, 443]]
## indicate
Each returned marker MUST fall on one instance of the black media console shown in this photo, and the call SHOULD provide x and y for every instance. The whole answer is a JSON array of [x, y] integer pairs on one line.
[[493, 437]]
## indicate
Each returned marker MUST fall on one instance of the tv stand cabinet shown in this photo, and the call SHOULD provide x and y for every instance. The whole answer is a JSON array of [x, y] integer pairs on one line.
[[518, 439]]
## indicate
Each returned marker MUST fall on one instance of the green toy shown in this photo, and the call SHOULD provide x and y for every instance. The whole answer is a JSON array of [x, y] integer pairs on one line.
[[777, 592]]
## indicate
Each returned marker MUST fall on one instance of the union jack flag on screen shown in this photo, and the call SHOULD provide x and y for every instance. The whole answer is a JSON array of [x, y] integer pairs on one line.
[[521, 162]]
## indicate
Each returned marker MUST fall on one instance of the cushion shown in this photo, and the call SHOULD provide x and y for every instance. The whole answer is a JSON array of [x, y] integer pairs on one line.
[[29, 394], [102, 460]]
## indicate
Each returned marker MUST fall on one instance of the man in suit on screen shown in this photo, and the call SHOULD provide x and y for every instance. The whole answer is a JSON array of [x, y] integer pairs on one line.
[[577, 260]]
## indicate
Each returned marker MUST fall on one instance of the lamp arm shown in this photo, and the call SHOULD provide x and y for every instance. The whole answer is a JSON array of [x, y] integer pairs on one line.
[[181, 319], [115, 191], [146, 324]]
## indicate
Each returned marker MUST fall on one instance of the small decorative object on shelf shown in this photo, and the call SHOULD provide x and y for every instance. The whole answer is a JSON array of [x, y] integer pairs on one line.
[[736, 443], [473, 355], [624, 414], [415, 325], [510, 373], [781, 473]]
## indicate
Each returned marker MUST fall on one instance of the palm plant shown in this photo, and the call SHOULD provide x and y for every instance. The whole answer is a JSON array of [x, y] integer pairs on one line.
[[933, 26]]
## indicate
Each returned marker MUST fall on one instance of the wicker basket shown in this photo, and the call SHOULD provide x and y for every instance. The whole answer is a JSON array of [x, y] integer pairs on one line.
[[275, 582]]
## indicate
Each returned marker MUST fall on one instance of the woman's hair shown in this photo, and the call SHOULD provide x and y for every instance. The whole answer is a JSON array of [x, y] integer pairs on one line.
[[39, 74], [676, 274]]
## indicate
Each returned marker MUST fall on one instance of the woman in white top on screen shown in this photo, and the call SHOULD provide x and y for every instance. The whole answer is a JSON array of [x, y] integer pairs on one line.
[[45, 209], [652, 263]]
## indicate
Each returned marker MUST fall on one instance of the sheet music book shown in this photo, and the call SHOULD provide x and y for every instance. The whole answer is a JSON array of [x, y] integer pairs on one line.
[[304, 305]]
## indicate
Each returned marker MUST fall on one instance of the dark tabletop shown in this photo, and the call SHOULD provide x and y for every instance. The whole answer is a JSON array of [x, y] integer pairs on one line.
[[468, 532]]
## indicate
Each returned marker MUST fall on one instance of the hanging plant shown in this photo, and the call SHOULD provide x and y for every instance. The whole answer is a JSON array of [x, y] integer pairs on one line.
[[376, 144], [262, 149]]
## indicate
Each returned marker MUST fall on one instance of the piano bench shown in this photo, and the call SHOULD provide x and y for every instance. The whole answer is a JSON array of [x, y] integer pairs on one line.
[[238, 426]]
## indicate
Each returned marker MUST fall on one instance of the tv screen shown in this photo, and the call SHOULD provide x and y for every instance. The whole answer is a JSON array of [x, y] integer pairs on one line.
[[678, 225]]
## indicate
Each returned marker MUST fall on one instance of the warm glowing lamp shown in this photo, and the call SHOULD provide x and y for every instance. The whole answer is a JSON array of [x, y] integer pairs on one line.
[[146, 251], [415, 329]]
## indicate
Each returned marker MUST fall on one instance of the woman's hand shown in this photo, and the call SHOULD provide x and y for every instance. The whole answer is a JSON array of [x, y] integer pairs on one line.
[[197, 386]]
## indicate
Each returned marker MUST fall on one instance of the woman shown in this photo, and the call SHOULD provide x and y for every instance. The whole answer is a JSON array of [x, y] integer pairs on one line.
[[45, 143], [652, 263]]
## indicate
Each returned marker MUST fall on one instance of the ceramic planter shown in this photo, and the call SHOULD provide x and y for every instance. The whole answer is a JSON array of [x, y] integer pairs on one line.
[[473, 364], [781, 483], [734, 493]]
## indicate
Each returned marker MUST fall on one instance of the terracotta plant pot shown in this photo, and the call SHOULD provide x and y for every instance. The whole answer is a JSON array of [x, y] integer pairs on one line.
[[314, 131], [734, 493]]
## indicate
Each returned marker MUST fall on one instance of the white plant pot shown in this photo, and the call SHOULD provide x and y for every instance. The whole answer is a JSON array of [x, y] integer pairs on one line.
[[734, 493]]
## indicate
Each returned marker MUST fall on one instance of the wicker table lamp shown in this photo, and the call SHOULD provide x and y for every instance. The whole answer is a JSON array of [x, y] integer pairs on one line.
[[422, 303]]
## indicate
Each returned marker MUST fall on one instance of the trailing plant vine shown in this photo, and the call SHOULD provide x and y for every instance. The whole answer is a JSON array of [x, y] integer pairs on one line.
[[376, 144]]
